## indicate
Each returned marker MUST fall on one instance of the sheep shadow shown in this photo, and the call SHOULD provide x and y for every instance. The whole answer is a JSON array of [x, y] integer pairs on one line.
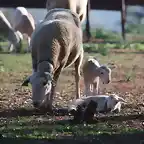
[[23, 112], [135, 138]]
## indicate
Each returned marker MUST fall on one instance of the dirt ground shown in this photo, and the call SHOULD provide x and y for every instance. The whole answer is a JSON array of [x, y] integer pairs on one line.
[[127, 81]]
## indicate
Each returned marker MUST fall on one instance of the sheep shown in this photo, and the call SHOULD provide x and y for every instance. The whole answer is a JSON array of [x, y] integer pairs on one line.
[[56, 44], [24, 22], [92, 71], [77, 6], [7, 30], [105, 103], [11, 48]]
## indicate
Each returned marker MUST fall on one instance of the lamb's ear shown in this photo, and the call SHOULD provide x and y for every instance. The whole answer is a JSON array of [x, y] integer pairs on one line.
[[111, 65], [26, 81], [120, 99]]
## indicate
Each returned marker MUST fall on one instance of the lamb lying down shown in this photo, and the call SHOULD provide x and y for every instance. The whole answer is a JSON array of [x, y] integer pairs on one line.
[[104, 103]]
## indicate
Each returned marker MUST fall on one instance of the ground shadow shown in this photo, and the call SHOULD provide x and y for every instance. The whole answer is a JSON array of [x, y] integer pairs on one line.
[[64, 112], [135, 138]]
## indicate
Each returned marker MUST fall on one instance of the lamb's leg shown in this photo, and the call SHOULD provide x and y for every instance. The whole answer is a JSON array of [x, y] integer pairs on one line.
[[96, 87], [87, 88], [91, 89], [77, 75]]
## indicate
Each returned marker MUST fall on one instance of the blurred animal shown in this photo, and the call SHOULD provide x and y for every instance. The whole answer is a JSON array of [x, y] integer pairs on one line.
[[92, 72], [84, 114], [56, 44], [24, 22], [77, 6], [7, 31], [105, 103]]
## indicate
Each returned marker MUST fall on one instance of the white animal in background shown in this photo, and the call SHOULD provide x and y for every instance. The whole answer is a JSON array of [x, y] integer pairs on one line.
[[7, 31], [92, 72], [11, 46], [77, 6], [24, 22], [105, 103], [56, 44]]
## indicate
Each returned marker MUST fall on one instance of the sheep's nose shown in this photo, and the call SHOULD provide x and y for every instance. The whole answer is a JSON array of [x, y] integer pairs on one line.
[[36, 104]]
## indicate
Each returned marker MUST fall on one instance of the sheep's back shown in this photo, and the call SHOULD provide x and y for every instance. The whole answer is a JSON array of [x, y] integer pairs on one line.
[[55, 40]]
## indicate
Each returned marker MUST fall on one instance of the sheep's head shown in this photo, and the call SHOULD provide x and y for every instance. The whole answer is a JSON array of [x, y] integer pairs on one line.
[[41, 87], [114, 102], [105, 74]]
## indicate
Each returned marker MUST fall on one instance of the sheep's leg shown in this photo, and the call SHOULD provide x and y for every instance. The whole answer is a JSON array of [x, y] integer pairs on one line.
[[82, 17], [28, 41], [50, 97], [77, 75], [34, 62]]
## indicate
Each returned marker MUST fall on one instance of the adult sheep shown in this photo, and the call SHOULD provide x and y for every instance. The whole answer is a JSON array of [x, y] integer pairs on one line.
[[24, 22], [7, 31], [77, 6], [56, 44]]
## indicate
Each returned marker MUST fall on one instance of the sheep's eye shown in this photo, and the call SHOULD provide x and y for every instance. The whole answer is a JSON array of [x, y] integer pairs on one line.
[[44, 83], [101, 73]]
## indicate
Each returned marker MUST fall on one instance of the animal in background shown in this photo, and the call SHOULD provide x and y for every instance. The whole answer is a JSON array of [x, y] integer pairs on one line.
[[77, 6], [24, 22]]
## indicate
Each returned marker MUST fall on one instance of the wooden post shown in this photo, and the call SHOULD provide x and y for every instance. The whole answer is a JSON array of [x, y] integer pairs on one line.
[[123, 18], [88, 34]]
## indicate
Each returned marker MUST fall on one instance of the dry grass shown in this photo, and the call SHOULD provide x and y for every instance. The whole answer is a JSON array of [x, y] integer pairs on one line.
[[127, 79]]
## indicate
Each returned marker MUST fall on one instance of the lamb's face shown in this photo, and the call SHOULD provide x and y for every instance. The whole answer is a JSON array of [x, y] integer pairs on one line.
[[41, 88], [105, 75], [114, 102]]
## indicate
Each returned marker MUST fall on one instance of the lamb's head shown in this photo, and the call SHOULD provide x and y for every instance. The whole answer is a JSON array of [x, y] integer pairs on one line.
[[104, 74], [114, 102], [41, 87]]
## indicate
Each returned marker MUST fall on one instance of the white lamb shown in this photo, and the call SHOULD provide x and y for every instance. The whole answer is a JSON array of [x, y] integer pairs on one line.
[[92, 71], [105, 103]]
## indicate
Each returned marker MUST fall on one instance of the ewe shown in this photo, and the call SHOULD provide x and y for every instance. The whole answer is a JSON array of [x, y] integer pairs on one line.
[[56, 44]]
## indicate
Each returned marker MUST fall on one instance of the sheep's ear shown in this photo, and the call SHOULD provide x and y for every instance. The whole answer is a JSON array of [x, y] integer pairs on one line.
[[76, 19], [26, 81]]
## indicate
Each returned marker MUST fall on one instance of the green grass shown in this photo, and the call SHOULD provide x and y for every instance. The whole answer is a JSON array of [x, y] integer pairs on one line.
[[32, 127], [19, 62]]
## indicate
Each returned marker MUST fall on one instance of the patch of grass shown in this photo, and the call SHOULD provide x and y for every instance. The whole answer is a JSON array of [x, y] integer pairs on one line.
[[15, 62], [31, 127]]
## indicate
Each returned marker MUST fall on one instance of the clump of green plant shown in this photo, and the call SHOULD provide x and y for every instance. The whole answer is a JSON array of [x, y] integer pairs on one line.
[[1, 66], [130, 75], [103, 50], [101, 33]]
